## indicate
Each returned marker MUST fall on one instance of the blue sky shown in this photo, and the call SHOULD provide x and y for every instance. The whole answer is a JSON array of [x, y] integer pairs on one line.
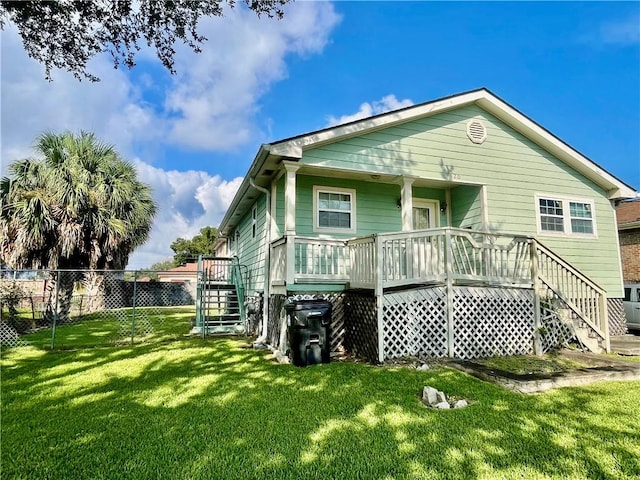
[[572, 67]]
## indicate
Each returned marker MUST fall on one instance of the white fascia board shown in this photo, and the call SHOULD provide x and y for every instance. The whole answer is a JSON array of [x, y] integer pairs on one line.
[[285, 150], [340, 132], [255, 168]]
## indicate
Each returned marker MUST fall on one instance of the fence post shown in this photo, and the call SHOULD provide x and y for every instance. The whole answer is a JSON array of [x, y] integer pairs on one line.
[[55, 312], [33, 308], [133, 309], [80, 312]]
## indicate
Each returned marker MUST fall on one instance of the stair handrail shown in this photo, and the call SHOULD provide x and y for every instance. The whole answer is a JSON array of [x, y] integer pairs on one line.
[[558, 259], [574, 308], [603, 328], [238, 282]]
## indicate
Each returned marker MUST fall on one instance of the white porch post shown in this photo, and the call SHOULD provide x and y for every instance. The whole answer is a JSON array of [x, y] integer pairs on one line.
[[275, 232], [290, 219], [290, 198], [406, 198]]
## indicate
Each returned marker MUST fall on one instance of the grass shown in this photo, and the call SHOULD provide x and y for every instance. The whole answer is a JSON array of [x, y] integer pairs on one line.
[[205, 409], [111, 327], [526, 364]]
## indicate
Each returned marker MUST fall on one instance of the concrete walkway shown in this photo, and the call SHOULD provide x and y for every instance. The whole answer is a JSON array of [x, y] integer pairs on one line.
[[626, 344]]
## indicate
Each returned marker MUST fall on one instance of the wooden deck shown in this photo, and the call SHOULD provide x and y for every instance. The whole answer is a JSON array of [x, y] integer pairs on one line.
[[446, 257]]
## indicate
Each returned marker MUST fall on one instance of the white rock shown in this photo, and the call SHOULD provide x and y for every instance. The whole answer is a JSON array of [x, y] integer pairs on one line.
[[441, 397], [429, 395], [423, 367], [443, 405], [460, 404]]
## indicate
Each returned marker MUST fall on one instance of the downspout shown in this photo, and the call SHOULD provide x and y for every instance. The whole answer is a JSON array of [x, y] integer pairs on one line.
[[267, 261]]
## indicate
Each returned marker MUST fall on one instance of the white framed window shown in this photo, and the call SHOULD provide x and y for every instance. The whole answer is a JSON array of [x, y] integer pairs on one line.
[[254, 221], [334, 209], [565, 216]]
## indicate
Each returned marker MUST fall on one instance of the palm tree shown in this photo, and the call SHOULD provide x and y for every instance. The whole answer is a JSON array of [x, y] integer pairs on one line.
[[79, 206]]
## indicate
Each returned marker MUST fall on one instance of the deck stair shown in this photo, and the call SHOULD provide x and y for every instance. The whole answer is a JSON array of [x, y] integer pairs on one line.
[[220, 302], [579, 302]]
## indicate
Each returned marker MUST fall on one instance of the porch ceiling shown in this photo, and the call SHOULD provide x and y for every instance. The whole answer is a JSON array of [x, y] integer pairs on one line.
[[369, 176]]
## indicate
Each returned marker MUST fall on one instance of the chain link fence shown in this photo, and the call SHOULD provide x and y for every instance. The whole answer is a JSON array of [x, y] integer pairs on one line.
[[53, 309]]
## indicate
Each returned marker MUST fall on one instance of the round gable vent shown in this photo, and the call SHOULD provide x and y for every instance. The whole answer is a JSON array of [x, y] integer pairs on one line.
[[476, 131]]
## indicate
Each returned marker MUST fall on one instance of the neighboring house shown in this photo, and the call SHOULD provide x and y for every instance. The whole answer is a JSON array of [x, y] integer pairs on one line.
[[457, 227], [628, 216], [184, 273]]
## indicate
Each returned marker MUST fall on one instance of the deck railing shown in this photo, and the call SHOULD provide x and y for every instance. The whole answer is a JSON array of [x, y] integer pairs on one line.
[[403, 258], [584, 297], [278, 261], [302, 260], [442, 255], [319, 259]]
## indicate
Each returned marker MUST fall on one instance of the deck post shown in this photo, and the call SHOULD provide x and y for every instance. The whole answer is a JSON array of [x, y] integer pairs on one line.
[[379, 293], [450, 312], [535, 280], [604, 315], [290, 260]]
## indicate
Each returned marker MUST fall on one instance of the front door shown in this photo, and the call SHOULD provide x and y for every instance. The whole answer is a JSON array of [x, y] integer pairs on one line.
[[425, 214]]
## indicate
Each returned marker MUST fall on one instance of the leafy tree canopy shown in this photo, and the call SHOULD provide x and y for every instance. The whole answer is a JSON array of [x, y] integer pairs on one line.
[[66, 34], [78, 206], [203, 243], [163, 266]]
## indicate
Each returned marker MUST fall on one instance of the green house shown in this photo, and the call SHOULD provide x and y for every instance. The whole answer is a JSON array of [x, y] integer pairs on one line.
[[457, 227]]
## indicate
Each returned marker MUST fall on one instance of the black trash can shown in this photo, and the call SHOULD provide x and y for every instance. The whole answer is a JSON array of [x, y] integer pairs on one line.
[[309, 331]]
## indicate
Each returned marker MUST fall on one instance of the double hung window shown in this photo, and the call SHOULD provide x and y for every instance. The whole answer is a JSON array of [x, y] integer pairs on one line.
[[557, 215], [334, 209]]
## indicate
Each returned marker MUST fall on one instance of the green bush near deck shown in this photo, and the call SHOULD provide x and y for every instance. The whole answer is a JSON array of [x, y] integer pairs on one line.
[[205, 409]]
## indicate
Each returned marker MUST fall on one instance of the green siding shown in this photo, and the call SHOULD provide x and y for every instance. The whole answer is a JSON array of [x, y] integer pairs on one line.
[[251, 251], [376, 206], [513, 168], [465, 207]]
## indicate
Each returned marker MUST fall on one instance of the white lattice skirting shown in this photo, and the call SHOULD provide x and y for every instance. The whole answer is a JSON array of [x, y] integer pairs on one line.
[[486, 322]]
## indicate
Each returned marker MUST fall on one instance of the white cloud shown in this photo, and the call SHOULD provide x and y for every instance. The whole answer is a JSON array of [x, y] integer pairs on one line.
[[187, 201], [215, 98], [622, 32], [210, 105], [30, 105], [385, 104]]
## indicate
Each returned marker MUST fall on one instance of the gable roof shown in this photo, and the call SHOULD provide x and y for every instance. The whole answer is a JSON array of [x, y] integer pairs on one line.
[[269, 156]]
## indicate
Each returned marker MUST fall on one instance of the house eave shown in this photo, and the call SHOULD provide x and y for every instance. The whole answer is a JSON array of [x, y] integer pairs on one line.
[[234, 214], [628, 226]]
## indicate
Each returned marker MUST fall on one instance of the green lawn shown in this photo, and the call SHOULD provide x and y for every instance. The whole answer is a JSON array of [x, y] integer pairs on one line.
[[111, 327], [209, 409]]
